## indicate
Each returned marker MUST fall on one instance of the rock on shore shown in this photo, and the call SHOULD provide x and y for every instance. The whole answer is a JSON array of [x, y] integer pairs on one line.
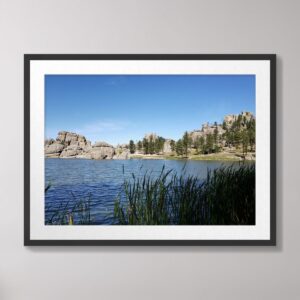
[[73, 145], [122, 152], [101, 150]]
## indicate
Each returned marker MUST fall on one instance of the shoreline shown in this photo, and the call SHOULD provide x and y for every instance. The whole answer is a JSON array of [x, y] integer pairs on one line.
[[206, 157], [201, 157]]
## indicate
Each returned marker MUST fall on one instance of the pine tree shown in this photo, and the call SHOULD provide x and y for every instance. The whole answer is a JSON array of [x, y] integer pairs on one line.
[[209, 143], [159, 144], [186, 143], [173, 145], [146, 146], [245, 141], [131, 146], [239, 121], [251, 133], [216, 133], [139, 145], [231, 137], [197, 145], [202, 144], [151, 145], [179, 147], [237, 138]]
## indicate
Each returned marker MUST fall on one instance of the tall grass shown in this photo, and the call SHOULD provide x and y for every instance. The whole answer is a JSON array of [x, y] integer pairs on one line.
[[77, 212], [225, 197]]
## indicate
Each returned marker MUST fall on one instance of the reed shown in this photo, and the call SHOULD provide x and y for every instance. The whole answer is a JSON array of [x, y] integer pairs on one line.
[[225, 197], [77, 213]]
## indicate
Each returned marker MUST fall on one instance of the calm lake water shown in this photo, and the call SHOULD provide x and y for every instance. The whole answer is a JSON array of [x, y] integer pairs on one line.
[[75, 179]]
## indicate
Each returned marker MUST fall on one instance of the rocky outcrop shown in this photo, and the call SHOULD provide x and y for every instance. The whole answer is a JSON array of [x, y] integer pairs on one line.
[[167, 149], [217, 128], [205, 130], [122, 152], [70, 138], [101, 150], [71, 151], [73, 145], [54, 149], [67, 144], [245, 116]]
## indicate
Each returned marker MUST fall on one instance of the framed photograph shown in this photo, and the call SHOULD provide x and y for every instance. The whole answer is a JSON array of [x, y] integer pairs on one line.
[[150, 149]]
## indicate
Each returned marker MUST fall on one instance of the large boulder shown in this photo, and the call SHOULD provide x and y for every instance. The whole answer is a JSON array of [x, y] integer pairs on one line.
[[167, 147], [61, 136], [101, 144], [71, 151], [121, 154], [67, 144], [102, 150], [54, 149], [73, 145], [206, 130], [48, 142], [71, 138]]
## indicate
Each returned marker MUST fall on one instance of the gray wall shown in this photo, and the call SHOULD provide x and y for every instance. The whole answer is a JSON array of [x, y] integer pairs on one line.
[[148, 26]]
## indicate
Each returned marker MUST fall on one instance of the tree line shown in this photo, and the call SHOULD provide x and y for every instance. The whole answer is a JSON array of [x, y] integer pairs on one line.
[[149, 145], [240, 134]]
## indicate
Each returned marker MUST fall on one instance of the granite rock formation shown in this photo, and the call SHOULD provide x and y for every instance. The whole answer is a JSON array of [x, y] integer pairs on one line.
[[101, 150], [122, 152], [167, 149], [73, 145], [212, 128]]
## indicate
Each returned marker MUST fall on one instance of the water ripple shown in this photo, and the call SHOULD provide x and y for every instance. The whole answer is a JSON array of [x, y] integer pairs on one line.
[[101, 180]]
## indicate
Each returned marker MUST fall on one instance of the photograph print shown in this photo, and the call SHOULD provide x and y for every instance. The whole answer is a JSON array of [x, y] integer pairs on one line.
[[151, 150]]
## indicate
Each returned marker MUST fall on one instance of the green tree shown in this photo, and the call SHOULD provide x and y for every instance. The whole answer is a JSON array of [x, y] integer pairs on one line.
[[186, 143], [251, 133], [179, 147], [239, 121], [173, 145], [217, 148], [230, 138], [159, 144], [146, 146], [216, 133], [245, 141], [151, 145], [209, 147], [237, 138], [156, 146], [139, 145], [202, 144], [199, 144], [131, 146]]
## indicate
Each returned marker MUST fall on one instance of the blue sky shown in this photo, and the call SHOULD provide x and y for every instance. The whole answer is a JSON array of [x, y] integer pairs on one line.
[[116, 108]]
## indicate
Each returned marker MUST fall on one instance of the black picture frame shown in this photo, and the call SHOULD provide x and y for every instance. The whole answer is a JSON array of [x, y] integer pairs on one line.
[[31, 57]]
